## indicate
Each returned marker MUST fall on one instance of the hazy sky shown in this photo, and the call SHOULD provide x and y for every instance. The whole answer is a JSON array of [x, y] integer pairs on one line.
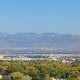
[[59, 16]]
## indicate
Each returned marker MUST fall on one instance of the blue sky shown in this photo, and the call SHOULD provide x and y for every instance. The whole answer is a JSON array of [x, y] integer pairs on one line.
[[59, 16]]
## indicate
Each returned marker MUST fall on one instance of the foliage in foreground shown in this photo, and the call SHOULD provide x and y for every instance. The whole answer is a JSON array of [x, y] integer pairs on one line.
[[39, 70]]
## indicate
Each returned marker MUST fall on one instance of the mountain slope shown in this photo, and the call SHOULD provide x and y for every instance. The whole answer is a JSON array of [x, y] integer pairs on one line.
[[39, 40]]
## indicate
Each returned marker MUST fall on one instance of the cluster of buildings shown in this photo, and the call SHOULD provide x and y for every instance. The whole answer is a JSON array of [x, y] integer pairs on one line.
[[64, 58]]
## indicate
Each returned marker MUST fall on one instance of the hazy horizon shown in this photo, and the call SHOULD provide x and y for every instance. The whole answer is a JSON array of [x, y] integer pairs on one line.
[[67, 33]]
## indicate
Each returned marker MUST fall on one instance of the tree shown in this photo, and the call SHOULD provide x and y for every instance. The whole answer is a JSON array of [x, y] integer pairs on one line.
[[16, 76], [26, 78]]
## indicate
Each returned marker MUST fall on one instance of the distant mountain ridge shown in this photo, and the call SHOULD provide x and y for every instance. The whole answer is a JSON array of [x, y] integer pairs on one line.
[[39, 40]]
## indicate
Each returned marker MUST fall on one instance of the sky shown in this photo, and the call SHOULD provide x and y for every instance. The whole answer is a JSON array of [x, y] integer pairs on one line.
[[40, 16]]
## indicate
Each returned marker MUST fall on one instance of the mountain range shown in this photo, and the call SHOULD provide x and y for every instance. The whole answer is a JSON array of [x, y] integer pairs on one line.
[[49, 40]]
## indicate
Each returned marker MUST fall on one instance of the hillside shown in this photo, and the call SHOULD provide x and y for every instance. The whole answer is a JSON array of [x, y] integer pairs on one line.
[[39, 40]]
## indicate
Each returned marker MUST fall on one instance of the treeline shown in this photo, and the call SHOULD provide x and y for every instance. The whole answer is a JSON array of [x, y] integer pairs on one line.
[[39, 70]]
